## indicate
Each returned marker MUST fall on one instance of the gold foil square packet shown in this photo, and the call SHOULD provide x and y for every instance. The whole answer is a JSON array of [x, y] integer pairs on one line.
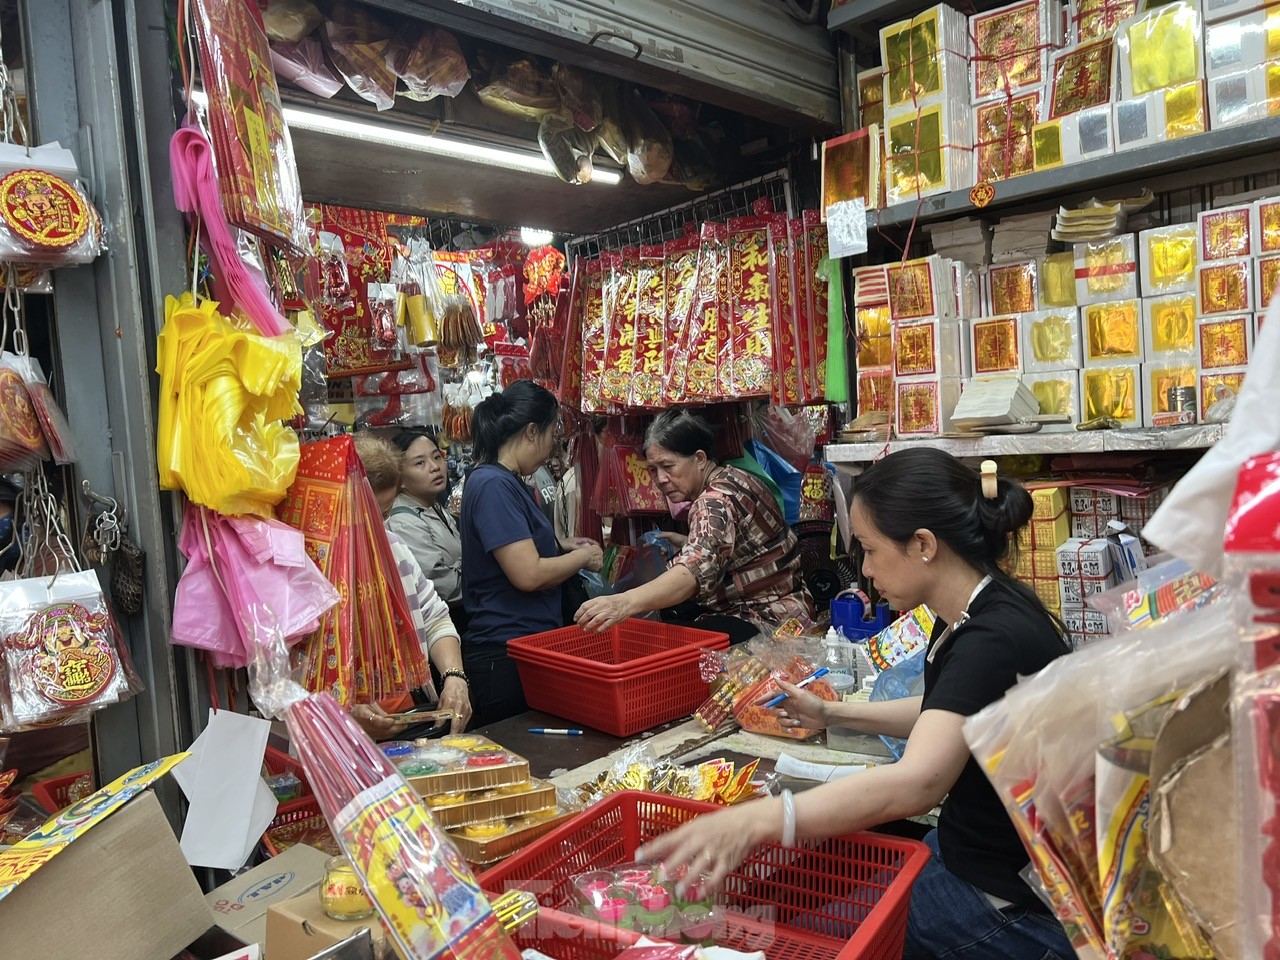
[[1170, 324], [1113, 332], [1051, 339], [1113, 392], [1169, 258]]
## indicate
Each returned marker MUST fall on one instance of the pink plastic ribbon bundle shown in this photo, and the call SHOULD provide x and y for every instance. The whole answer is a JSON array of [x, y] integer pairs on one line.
[[195, 191], [240, 563]]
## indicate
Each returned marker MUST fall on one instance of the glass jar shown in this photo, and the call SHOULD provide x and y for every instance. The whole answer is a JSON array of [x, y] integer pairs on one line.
[[342, 895]]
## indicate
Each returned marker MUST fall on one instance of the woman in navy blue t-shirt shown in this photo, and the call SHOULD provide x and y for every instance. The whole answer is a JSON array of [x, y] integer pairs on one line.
[[512, 563]]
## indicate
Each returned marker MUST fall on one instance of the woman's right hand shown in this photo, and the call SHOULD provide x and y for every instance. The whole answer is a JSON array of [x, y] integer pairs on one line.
[[802, 709], [591, 557]]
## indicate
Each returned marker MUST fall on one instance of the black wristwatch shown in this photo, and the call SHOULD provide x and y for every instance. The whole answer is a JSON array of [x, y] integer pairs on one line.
[[455, 673]]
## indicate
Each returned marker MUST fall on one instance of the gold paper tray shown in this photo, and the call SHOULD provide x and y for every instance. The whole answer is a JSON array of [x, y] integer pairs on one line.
[[483, 853], [541, 797], [467, 780]]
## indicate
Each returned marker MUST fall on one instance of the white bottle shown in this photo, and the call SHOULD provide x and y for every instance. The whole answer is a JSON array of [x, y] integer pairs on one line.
[[839, 662]]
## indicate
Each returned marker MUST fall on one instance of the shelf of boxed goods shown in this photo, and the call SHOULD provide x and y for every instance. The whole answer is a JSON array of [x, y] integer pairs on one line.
[[1042, 444], [1170, 156]]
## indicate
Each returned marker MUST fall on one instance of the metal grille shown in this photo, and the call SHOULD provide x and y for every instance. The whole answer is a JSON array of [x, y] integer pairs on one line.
[[735, 201]]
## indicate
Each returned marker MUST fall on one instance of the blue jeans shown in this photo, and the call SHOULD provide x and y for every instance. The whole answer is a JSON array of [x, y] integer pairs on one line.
[[951, 919]]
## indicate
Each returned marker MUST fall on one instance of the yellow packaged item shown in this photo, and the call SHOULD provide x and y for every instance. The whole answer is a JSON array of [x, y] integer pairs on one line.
[[1113, 332], [1163, 404], [1057, 393], [224, 391], [1170, 324], [1226, 342], [1058, 280], [1160, 48], [1114, 393], [1168, 258]]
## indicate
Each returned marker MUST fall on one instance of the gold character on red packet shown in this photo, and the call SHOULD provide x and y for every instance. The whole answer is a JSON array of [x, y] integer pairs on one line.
[[1268, 279], [916, 351], [1225, 234], [918, 408], [1013, 288], [1082, 78], [1224, 343], [1225, 287], [911, 293], [995, 345]]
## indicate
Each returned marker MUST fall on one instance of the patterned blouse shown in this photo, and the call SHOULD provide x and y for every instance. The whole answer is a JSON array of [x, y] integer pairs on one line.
[[742, 553]]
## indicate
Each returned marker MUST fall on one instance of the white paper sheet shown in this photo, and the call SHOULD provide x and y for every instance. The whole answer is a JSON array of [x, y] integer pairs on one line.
[[789, 766], [847, 228], [230, 804]]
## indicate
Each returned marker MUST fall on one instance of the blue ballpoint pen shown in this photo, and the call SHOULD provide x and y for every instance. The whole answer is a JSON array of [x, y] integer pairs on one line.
[[563, 733], [803, 683]]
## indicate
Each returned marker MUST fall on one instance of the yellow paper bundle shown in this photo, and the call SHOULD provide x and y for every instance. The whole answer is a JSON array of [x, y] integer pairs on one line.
[[223, 393]]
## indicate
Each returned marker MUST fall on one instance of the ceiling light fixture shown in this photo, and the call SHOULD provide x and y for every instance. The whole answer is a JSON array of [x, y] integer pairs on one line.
[[533, 237], [319, 122]]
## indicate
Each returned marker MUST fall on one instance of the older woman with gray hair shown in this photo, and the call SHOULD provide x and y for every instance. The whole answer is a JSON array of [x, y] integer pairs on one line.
[[740, 561]]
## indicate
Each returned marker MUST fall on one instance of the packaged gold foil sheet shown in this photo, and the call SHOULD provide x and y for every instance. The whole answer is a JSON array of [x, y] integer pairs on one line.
[[875, 392], [923, 405], [871, 97], [1013, 287], [929, 348], [1010, 47], [1106, 270], [925, 57], [1092, 19], [1051, 340], [997, 345], [875, 337], [1226, 233], [1057, 393], [1113, 392], [1160, 379], [1080, 77], [1165, 114], [1267, 220], [927, 151], [1002, 136], [1168, 259], [1224, 287], [1226, 342], [1159, 48], [1218, 385], [1113, 332], [1268, 269], [1170, 324], [1077, 136], [1058, 280]]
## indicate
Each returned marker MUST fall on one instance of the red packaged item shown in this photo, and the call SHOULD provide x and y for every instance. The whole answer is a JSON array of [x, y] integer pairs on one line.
[[571, 367], [645, 392], [366, 648], [679, 281], [257, 174], [615, 381], [594, 334], [359, 46], [62, 650], [751, 713], [815, 371], [786, 358], [624, 485], [46, 221], [53, 422], [22, 441], [705, 332], [751, 294], [512, 360]]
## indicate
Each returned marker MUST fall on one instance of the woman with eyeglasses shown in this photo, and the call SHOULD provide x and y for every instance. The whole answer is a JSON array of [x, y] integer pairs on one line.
[[740, 561], [513, 567]]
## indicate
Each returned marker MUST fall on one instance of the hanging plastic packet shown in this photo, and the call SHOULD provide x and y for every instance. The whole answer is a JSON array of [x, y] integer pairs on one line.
[[22, 440], [303, 64], [610, 131], [358, 44], [290, 20], [63, 652], [649, 147], [53, 422], [522, 90], [430, 66], [579, 95], [46, 220], [566, 147], [29, 280], [383, 302]]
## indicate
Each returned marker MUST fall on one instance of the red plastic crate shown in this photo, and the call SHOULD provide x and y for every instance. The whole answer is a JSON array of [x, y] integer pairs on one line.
[[837, 899], [277, 761], [633, 646], [55, 795]]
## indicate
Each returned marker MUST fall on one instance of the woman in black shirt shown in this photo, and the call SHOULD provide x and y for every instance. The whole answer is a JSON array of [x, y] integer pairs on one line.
[[931, 535]]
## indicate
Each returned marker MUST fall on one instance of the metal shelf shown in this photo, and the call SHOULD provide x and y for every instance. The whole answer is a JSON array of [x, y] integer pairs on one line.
[[1172, 156], [1080, 441]]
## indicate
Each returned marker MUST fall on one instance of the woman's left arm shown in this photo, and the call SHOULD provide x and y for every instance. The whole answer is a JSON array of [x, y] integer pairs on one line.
[[715, 844]]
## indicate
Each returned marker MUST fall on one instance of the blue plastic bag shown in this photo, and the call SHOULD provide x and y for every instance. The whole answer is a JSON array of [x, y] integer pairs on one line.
[[787, 477], [905, 679]]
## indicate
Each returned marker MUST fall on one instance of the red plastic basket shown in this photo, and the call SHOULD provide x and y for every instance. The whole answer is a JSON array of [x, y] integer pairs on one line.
[[55, 795], [633, 646], [277, 761], [636, 676], [845, 897]]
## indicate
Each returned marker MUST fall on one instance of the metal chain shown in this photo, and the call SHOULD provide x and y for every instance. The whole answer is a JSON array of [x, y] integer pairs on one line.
[[10, 115]]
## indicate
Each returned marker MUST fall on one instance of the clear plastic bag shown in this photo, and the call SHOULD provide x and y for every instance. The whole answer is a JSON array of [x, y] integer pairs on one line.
[[53, 422], [22, 440], [611, 131], [303, 65], [430, 65], [1167, 588], [567, 148], [649, 146], [790, 436], [63, 651], [289, 21], [358, 45], [579, 96], [523, 90], [900, 681]]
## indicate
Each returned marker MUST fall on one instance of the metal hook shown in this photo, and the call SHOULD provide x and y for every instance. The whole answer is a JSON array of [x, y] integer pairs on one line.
[[112, 505]]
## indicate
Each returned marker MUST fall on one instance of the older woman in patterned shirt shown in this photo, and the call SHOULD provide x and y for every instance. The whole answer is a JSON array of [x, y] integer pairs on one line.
[[740, 561]]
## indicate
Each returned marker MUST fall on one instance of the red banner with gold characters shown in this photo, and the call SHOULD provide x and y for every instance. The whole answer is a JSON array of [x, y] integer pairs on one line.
[[615, 381], [815, 381], [751, 287], [646, 370], [786, 357], [680, 281]]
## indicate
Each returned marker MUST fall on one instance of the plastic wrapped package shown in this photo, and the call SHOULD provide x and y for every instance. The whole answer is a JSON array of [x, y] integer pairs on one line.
[[611, 130], [1011, 47], [359, 45], [1160, 48], [1170, 327], [926, 60], [637, 896], [1226, 232], [429, 64], [702, 344], [1168, 588], [53, 422], [1080, 77], [928, 150], [303, 65], [1168, 258], [1003, 136], [746, 367], [680, 272], [62, 650], [1051, 340], [288, 21], [223, 395], [649, 147], [47, 221], [694, 166], [567, 148], [1226, 286], [522, 90], [580, 96], [1106, 270], [22, 441]]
